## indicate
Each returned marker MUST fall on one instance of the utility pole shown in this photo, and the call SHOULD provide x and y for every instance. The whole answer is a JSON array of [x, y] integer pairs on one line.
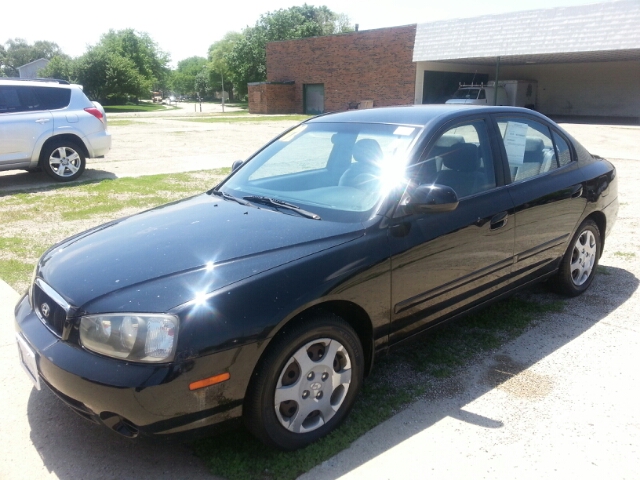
[[495, 88], [222, 75]]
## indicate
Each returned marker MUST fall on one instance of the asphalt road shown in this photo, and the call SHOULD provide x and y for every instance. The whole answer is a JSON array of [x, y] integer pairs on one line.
[[558, 402]]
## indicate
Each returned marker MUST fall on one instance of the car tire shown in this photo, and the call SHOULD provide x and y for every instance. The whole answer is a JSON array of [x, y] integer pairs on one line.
[[63, 161], [578, 266], [306, 384]]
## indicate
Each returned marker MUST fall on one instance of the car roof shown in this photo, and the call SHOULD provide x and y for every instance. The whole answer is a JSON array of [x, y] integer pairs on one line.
[[414, 114], [41, 82]]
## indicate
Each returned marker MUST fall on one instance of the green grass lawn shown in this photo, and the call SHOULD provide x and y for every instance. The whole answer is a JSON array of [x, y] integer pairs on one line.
[[79, 207], [141, 107]]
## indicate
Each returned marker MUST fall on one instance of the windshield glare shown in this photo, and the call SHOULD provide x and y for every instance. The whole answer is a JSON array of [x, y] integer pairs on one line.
[[328, 168]]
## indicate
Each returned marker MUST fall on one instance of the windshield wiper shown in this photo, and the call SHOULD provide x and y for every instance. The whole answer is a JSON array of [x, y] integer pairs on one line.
[[281, 204], [227, 196]]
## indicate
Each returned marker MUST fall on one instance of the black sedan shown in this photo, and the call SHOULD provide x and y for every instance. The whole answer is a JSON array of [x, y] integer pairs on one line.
[[269, 296]]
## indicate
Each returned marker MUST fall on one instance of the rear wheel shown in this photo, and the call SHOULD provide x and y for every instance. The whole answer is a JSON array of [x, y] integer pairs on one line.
[[579, 263], [63, 161], [306, 384]]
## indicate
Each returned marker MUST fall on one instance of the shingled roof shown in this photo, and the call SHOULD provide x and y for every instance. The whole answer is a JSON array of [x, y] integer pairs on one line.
[[597, 32]]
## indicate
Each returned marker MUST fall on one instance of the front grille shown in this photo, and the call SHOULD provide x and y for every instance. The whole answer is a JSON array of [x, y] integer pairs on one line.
[[49, 311]]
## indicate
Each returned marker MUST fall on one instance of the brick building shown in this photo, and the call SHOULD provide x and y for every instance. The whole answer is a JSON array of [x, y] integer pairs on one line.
[[330, 73], [585, 60]]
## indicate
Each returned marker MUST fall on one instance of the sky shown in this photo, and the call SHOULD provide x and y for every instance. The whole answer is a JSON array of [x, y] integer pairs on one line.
[[185, 30]]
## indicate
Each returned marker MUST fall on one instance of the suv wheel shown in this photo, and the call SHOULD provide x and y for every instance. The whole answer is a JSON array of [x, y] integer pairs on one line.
[[63, 161]]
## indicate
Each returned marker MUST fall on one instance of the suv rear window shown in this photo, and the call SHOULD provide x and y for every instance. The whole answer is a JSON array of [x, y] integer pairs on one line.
[[29, 99]]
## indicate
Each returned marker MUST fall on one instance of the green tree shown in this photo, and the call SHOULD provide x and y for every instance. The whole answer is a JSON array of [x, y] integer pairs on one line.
[[247, 60], [218, 66], [61, 67], [150, 61], [183, 79], [123, 64], [110, 77], [18, 52]]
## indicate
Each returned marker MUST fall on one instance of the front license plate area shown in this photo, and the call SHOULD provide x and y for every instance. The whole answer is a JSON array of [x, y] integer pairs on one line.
[[28, 360]]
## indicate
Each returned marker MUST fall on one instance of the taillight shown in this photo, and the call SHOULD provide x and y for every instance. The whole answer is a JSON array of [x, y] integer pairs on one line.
[[95, 112]]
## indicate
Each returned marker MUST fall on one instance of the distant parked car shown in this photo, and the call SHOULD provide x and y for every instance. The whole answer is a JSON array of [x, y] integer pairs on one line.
[[269, 296], [51, 125]]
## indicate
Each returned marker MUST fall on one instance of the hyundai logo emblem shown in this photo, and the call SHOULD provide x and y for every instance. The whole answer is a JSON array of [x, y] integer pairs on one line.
[[45, 309], [315, 386]]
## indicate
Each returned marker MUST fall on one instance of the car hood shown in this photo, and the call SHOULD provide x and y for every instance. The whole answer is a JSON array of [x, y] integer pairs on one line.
[[162, 258]]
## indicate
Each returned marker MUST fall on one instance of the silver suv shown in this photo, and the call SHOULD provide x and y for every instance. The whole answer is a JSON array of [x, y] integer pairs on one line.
[[50, 125]]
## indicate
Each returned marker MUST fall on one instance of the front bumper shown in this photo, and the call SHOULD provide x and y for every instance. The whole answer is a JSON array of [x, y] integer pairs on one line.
[[133, 398]]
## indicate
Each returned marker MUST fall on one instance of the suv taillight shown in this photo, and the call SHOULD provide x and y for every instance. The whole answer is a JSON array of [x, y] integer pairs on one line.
[[95, 112]]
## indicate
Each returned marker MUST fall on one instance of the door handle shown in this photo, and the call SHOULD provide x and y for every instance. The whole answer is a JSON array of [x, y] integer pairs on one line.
[[42, 120], [576, 192], [499, 220]]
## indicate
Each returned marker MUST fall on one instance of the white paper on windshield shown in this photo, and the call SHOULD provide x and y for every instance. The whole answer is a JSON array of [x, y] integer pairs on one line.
[[515, 140], [404, 131]]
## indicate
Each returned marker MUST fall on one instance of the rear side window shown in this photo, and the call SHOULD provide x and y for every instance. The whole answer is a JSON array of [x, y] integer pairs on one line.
[[31, 99], [562, 147], [529, 147], [52, 98]]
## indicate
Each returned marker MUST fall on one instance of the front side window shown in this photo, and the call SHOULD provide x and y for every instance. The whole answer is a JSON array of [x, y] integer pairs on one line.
[[328, 168], [529, 147], [461, 158]]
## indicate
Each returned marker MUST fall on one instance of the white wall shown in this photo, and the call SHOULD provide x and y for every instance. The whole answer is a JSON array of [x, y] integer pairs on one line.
[[609, 89]]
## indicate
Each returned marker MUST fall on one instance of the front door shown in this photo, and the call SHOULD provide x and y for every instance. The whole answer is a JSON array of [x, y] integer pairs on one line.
[[22, 124], [445, 262], [314, 99]]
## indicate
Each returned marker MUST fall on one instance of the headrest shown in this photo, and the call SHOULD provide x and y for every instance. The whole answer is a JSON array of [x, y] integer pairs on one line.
[[534, 144], [462, 158], [449, 140], [367, 150]]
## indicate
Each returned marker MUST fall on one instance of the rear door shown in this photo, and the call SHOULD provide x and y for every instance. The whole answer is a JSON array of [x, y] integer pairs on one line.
[[443, 263], [547, 191], [24, 121]]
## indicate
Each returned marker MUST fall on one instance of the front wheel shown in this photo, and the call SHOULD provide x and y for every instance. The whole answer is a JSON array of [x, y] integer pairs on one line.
[[579, 263], [63, 161], [306, 384]]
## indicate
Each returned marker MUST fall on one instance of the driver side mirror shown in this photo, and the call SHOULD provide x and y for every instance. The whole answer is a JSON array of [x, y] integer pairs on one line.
[[430, 198], [236, 165]]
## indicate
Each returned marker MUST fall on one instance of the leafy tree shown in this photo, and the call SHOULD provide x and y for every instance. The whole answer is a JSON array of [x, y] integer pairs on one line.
[[108, 76], [124, 63], [62, 67], [139, 47], [18, 52], [247, 60], [218, 66], [183, 79]]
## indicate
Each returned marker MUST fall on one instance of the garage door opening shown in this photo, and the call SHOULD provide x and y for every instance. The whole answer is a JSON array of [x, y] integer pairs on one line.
[[440, 86]]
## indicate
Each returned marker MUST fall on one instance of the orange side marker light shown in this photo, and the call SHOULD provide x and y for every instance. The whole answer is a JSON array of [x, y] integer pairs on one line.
[[207, 382]]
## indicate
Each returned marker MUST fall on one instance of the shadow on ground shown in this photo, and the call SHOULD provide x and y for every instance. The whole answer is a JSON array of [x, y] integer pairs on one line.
[[20, 181]]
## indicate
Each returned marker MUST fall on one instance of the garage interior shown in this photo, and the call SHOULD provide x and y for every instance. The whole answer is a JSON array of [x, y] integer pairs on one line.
[[585, 59]]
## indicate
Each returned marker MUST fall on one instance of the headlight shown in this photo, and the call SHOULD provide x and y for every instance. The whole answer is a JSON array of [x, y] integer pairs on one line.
[[146, 337]]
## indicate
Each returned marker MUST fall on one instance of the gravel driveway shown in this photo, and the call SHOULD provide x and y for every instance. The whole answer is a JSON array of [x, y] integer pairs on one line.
[[558, 402]]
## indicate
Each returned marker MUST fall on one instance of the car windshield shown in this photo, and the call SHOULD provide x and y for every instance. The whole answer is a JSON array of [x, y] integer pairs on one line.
[[467, 94], [339, 171]]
